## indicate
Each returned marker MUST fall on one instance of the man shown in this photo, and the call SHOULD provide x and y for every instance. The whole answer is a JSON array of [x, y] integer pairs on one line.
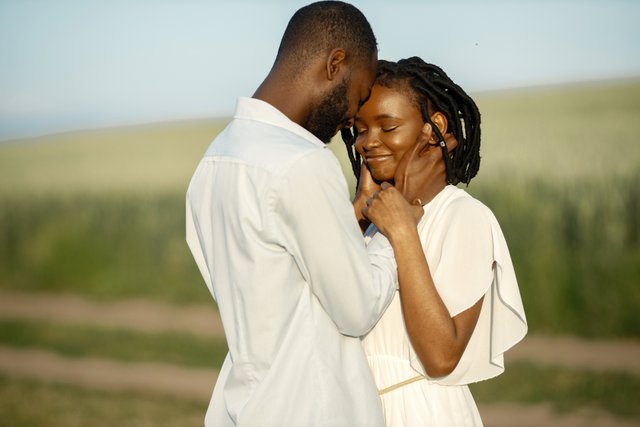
[[277, 242]]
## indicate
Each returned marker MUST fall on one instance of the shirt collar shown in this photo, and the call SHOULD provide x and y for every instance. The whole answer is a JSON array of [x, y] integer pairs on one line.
[[256, 109]]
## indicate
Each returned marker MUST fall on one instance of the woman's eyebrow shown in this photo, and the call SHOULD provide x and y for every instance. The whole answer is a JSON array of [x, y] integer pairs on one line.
[[380, 116], [385, 116]]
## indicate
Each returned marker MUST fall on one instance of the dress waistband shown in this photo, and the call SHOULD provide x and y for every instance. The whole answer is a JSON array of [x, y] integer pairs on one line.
[[400, 384]]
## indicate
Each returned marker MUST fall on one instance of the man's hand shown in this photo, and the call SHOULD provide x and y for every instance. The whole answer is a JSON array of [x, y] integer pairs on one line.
[[367, 187], [366, 184], [421, 173]]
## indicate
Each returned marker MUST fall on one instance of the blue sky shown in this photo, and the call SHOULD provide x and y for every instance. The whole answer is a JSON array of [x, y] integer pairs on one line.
[[75, 64]]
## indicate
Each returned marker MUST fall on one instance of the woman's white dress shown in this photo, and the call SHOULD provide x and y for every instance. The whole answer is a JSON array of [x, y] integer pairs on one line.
[[468, 258]]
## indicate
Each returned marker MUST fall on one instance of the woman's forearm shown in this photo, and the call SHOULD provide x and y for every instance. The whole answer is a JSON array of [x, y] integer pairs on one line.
[[438, 339]]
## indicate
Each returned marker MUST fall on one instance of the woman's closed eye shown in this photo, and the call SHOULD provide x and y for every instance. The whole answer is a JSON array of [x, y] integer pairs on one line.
[[389, 128]]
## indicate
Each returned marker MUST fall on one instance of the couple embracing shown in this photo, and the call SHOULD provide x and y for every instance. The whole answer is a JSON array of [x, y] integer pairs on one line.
[[373, 312]]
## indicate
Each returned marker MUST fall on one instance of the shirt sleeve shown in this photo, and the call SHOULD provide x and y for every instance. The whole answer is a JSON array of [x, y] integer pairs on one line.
[[465, 270], [193, 240], [353, 283]]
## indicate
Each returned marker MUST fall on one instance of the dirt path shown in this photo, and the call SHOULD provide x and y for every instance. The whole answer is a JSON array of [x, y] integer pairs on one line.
[[512, 415], [146, 316], [107, 374], [137, 315], [601, 355], [197, 384]]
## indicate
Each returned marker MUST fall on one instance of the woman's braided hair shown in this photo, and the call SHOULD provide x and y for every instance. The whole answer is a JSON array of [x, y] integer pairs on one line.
[[432, 90]]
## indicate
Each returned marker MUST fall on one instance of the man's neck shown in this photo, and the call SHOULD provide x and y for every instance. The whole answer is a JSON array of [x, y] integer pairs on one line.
[[291, 98]]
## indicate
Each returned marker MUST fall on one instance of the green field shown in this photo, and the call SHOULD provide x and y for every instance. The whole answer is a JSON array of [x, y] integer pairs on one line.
[[567, 389], [60, 405], [147, 159], [557, 135], [101, 213], [118, 344]]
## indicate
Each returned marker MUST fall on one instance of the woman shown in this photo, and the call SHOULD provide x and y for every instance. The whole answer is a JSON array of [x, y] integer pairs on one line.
[[458, 307]]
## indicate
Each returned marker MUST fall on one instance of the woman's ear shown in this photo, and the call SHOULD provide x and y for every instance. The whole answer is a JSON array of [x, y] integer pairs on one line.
[[440, 120]]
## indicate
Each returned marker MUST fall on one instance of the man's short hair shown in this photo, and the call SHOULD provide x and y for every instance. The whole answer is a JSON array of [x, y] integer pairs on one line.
[[326, 25]]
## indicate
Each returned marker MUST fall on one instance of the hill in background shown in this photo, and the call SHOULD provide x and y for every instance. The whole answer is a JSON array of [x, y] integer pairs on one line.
[[559, 133]]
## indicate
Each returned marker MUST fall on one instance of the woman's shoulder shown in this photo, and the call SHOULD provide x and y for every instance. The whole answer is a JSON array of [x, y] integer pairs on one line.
[[459, 204]]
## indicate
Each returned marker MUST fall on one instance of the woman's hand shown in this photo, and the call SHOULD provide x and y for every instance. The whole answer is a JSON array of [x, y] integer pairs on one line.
[[421, 173], [392, 214]]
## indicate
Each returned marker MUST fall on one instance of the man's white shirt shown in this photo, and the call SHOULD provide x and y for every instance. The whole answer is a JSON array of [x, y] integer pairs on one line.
[[274, 235]]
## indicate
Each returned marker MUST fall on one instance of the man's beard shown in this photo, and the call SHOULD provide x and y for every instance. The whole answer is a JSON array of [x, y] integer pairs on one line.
[[329, 113]]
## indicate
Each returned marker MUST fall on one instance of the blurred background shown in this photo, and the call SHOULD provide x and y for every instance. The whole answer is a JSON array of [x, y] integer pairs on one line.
[[106, 108]]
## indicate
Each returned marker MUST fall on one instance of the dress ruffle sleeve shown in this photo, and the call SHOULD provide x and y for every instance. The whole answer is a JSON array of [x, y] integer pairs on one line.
[[469, 259]]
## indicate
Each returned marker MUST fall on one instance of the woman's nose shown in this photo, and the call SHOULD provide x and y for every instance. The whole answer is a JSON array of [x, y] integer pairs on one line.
[[369, 141]]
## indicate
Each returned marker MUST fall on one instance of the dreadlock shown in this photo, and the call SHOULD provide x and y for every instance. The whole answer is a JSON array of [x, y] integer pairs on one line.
[[432, 90]]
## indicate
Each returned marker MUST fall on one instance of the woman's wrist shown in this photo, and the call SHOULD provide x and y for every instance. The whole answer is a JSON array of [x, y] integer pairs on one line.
[[402, 234]]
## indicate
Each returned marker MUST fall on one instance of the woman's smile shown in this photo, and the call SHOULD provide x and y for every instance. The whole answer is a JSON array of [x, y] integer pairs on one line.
[[377, 157]]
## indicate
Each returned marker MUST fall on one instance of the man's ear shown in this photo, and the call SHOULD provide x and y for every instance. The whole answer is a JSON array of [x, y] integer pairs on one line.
[[335, 62], [441, 121]]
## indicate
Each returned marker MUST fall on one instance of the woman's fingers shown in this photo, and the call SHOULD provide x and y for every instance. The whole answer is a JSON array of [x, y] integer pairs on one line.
[[423, 143], [425, 133], [451, 142], [390, 212]]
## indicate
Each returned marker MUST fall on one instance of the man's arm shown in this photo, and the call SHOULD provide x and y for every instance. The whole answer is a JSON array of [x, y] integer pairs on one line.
[[353, 283]]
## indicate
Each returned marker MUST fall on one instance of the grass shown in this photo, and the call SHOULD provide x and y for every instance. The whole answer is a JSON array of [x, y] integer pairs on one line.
[[140, 160], [560, 134], [26, 403], [557, 134], [565, 389], [576, 251], [106, 247], [575, 248], [30, 403], [124, 345], [102, 214]]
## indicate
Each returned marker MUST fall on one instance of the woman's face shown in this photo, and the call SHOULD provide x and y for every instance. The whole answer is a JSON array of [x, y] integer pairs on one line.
[[388, 125]]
